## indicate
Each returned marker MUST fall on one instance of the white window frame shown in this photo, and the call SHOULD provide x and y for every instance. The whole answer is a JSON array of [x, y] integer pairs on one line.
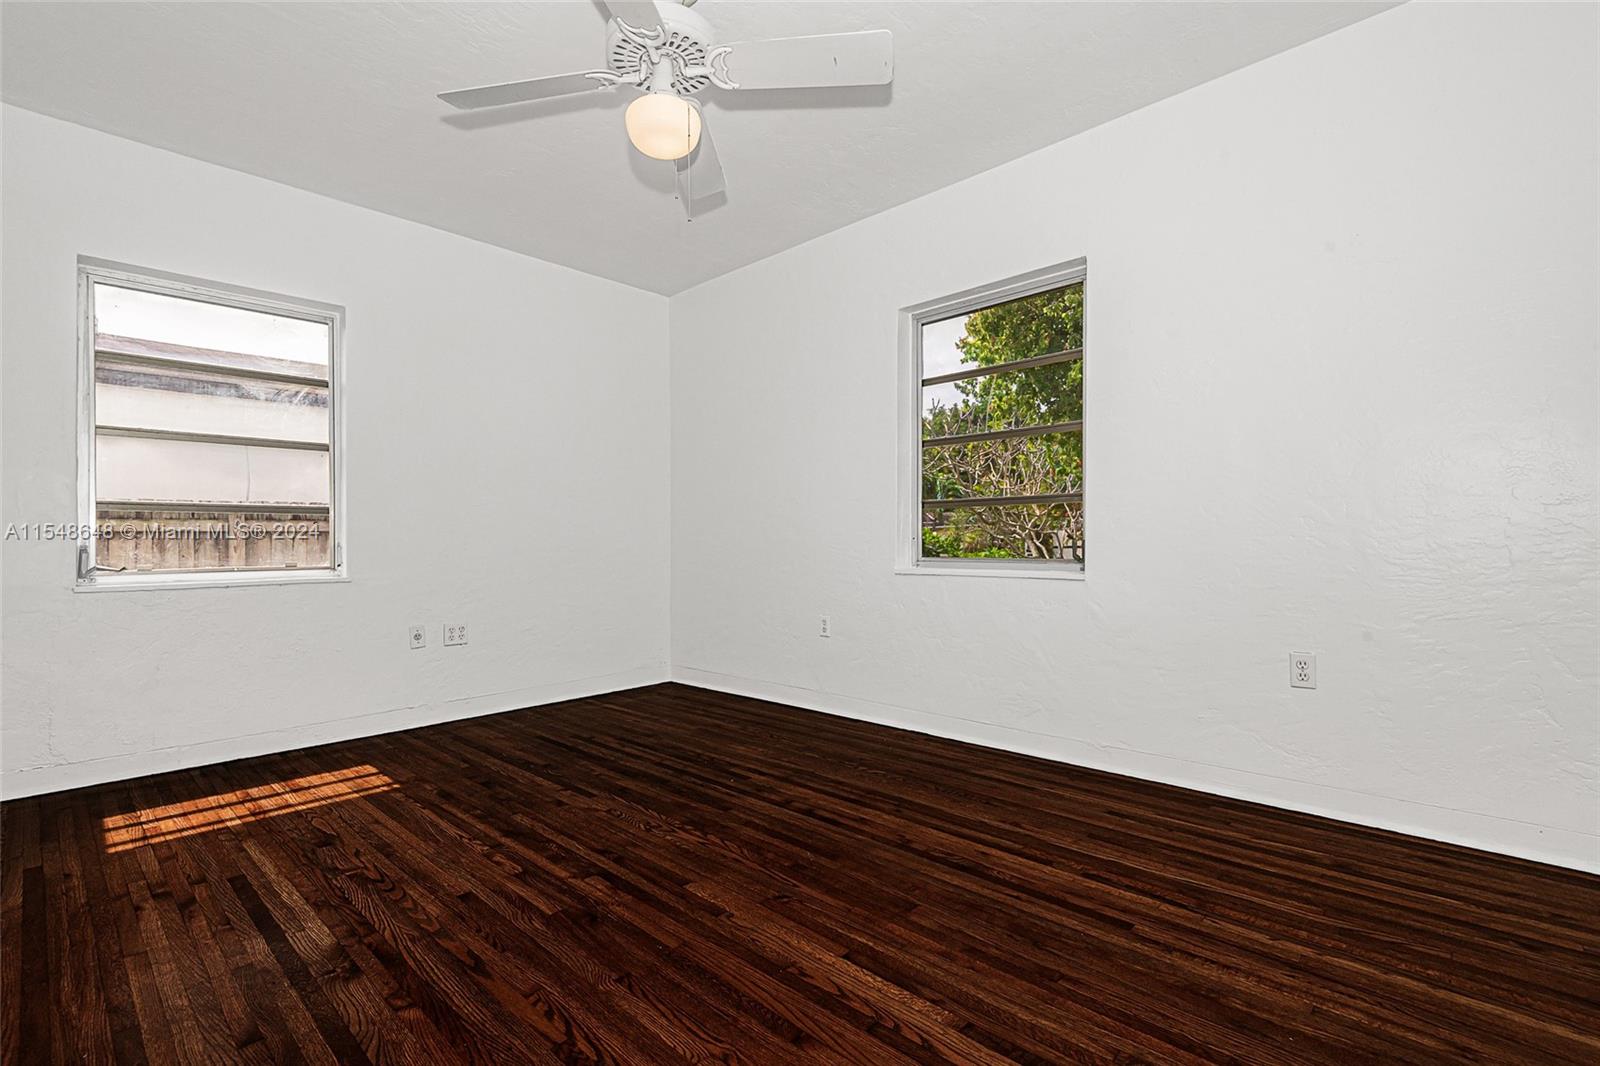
[[88, 578], [908, 532]]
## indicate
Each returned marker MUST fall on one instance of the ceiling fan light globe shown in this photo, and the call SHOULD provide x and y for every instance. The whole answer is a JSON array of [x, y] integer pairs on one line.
[[663, 125]]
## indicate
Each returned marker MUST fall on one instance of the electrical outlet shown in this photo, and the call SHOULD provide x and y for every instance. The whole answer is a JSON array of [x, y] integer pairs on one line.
[[826, 629], [455, 634], [1302, 670], [419, 637]]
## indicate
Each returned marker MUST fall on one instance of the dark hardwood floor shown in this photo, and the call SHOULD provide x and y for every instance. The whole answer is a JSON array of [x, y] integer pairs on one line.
[[672, 875]]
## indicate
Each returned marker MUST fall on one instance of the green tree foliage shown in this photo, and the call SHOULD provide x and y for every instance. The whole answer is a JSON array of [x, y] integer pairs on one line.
[[1028, 466]]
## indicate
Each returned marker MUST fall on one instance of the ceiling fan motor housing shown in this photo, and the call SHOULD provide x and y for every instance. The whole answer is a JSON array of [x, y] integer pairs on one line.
[[685, 41]]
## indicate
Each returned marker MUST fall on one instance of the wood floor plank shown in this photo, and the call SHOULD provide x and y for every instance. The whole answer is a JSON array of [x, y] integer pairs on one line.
[[687, 772], [993, 981], [39, 1028], [1495, 1026], [88, 1035], [343, 972], [500, 911], [98, 909], [14, 823], [678, 866], [673, 875], [493, 994]]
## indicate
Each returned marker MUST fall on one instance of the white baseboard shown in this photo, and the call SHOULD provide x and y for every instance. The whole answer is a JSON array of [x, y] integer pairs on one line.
[[37, 780], [1540, 843]]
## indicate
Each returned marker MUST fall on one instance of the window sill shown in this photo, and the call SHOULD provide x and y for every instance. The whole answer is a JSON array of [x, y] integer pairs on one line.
[[976, 568], [156, 582]]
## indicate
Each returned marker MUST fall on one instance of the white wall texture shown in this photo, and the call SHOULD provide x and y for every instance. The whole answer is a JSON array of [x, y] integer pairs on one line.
[[1342, 388], [1342, 398], [489, 479]]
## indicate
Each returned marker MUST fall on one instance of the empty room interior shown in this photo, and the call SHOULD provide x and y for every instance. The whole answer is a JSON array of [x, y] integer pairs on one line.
[[784, 532]]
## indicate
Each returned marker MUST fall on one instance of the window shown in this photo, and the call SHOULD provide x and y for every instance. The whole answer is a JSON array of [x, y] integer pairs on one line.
[[208, 442], [992, 478]]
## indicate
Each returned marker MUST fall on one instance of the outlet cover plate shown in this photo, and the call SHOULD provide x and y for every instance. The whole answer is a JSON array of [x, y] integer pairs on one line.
[[1302, 669]]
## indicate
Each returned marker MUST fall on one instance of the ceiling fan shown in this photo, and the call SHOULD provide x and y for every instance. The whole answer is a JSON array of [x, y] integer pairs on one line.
[[669, 54]]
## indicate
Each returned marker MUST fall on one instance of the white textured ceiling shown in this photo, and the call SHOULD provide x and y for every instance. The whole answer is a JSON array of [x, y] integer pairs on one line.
[[338, 98]]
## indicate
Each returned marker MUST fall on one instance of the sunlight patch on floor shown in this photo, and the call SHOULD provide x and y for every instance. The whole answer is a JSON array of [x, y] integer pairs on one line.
[[154, 825]]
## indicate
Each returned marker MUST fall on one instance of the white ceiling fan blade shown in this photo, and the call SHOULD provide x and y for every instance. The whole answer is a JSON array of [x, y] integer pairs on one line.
[[640, 14], [516, 92], [832, 59], [700, 172]]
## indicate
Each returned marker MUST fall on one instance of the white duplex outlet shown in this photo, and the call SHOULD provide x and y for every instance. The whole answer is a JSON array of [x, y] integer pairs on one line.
[[826, 628], [1302, 669], [419, 637], [455, 634]]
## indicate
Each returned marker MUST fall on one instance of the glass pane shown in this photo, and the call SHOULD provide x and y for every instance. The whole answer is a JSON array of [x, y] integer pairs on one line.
[[194, 401], [172, 471], [941, 351], [1028, 531], [175, 505], [1020, 466], [158, 539], [196, 324], [1034, 397], [1018, 329]]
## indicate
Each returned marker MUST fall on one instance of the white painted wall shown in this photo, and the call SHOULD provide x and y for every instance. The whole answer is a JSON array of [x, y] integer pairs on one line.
[[1342, 398], [490, 480]]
